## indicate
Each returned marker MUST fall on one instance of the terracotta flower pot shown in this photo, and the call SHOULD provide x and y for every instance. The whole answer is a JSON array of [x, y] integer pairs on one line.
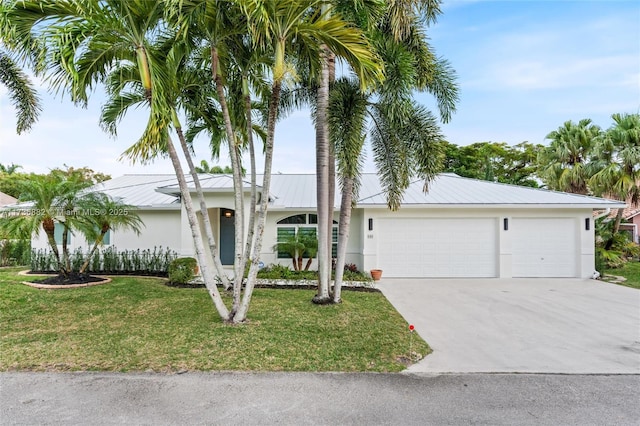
[[376, 274]]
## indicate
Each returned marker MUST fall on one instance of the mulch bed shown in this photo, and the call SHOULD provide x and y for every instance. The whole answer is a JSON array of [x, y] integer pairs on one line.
[[69, 280]]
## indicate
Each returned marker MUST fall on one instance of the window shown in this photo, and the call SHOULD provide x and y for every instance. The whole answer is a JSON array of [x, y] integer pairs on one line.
[[57, 234], [106, 240], [302, 224]]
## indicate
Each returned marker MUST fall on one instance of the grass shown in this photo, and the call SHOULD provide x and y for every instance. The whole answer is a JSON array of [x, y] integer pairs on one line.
[[139, 324], [630, 270]]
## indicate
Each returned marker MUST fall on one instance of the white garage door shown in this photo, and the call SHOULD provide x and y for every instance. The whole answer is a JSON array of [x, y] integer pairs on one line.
[[438, 248], [543, 247]]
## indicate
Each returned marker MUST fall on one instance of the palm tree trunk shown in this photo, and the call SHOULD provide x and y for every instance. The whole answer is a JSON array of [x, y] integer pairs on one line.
[[47, 225], [213, 247], [85, 265], [241, 314], [343, 236], [616, 228], [252, 159], [322, 182], [65, 252], [207, 273], [237, 179], [331, 63], [616, 224], [308, 265]]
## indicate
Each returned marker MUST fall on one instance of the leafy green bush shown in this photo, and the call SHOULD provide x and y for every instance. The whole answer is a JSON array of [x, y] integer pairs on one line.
[[110, 261], [15, 252], [281, 272], [182, 270], [613, 250], [356, 275]]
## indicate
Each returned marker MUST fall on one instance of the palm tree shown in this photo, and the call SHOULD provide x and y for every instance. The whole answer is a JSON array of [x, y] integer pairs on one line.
[[617, 155], [404, 136], [52, 199], [9, 169], [564, 164], [205, 167], [21, 92], [86, 40], [103, 215], [297, 27]]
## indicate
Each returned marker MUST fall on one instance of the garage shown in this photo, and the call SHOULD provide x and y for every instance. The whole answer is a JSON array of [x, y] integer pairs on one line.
[[544, 247], [438, 247]]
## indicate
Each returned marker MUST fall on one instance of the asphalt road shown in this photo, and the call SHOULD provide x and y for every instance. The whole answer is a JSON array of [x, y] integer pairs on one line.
[[317, 398]]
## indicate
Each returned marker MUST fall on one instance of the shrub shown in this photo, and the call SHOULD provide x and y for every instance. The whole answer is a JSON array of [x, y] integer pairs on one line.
[[281, 272], [15, 252], [356, 275], [182, 270], [110, 261], [351, 267]]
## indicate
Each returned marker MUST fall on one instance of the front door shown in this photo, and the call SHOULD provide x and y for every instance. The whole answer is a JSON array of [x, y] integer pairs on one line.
[[227, 236]]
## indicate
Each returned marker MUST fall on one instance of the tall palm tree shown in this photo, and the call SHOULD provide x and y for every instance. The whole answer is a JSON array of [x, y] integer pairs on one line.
[[85, 41], [617, 156], [564, 164], [21, 92], [404, 136], [300, 28]]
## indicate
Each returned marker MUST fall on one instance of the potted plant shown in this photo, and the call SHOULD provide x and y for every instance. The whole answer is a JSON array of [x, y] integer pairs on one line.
[[376, 274]]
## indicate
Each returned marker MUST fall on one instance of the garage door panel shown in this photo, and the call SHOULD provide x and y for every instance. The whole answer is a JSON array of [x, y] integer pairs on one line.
[[438, 248], [544, 247]]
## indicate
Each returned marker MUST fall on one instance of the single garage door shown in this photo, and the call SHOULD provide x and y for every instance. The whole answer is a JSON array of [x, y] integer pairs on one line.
[[438, 248], [544, 247]]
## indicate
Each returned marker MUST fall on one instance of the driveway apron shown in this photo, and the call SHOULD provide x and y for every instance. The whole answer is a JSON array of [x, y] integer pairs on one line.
[[521, 325]]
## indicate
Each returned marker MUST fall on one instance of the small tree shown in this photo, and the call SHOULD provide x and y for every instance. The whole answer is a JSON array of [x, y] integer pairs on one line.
[[106, 214], [62, 198], [299, 246]]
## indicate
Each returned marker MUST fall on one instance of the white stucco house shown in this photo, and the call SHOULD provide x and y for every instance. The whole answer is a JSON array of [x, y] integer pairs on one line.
[[459, 228]]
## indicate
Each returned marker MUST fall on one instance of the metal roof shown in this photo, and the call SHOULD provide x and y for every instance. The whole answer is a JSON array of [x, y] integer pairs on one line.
[[298, 191], [208, 183], [452, 190], [140, 190], [6, 199]]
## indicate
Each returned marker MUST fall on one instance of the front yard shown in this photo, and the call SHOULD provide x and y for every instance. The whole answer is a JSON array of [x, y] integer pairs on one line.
[[630, 271], [139, 324]]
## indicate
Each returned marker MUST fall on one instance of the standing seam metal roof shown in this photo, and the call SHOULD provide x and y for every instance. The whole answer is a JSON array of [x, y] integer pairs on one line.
[[298, 191]]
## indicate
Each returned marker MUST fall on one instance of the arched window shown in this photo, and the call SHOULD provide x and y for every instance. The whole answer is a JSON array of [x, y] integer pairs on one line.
[[305, 224]]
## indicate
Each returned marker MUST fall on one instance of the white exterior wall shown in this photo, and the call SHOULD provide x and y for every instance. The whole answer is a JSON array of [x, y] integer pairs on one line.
[[585, 257], [161, 228], [169, 229]]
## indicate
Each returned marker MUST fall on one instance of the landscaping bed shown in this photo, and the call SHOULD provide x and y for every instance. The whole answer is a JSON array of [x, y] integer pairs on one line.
[[140, 324]]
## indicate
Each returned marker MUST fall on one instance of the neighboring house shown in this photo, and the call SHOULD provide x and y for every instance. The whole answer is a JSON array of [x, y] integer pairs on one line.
[[6, 199], [459, 228], [631, 223]]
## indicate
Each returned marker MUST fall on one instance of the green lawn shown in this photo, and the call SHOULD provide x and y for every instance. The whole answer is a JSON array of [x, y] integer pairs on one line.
[[139, 324], [631, 271]]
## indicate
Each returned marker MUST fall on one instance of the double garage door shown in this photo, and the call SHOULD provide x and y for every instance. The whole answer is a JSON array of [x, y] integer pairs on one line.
[[469, 247]]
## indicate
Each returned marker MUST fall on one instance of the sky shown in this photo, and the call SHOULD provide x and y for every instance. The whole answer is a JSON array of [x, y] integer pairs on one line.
[[523, 68]]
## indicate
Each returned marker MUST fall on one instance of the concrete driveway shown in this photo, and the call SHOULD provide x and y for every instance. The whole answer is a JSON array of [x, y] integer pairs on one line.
[[521, 325]]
